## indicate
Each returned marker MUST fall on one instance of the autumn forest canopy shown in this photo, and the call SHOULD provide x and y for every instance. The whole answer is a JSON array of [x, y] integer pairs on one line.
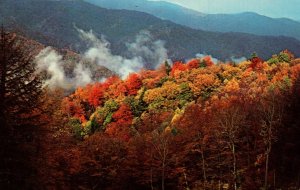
[[190, 124]]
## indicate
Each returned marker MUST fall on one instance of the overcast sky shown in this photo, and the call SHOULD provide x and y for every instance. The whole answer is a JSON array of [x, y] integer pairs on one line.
[[272, 8]]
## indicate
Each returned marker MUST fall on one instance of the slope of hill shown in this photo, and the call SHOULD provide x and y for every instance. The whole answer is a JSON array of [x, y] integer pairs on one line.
[[53, 62], [244, 22], [52, 23], [185, 110]]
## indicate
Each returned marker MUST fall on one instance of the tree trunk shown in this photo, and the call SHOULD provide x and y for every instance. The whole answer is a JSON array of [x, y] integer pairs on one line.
[[151, 171], [163, 176], [266, 172], [234, 166], [220, 171], [151, 178], [186, 183], [203, 169], [269, 147]]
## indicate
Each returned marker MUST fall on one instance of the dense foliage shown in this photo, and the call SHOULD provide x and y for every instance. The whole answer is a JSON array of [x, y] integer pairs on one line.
[[195, 125]]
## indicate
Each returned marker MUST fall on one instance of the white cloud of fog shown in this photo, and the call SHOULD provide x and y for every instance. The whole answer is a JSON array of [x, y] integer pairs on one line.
[[215, 60], [82, 74], [201, 55], [238, 59], [49, 61], [143, 49], [146, 49]]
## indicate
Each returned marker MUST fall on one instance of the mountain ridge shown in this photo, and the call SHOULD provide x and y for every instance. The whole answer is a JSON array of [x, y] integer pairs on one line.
[[121, 27], [248, 22]]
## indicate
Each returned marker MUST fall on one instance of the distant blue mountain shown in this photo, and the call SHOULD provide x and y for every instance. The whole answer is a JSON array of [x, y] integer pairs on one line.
[[247, 22], [51, 22]]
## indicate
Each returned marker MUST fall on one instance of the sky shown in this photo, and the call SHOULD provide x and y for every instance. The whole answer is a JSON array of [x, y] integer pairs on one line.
[[271, 8]]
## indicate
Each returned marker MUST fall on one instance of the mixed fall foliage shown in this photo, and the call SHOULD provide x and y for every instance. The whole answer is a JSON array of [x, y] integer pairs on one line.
[[194, 125]]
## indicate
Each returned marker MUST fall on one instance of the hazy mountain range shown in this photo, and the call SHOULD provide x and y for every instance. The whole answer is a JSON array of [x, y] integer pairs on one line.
[[247, 22], [54, 23]]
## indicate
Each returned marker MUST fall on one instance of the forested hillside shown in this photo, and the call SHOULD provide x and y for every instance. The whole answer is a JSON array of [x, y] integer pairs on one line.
[[184, 125], [194, 125], [54, 23]]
